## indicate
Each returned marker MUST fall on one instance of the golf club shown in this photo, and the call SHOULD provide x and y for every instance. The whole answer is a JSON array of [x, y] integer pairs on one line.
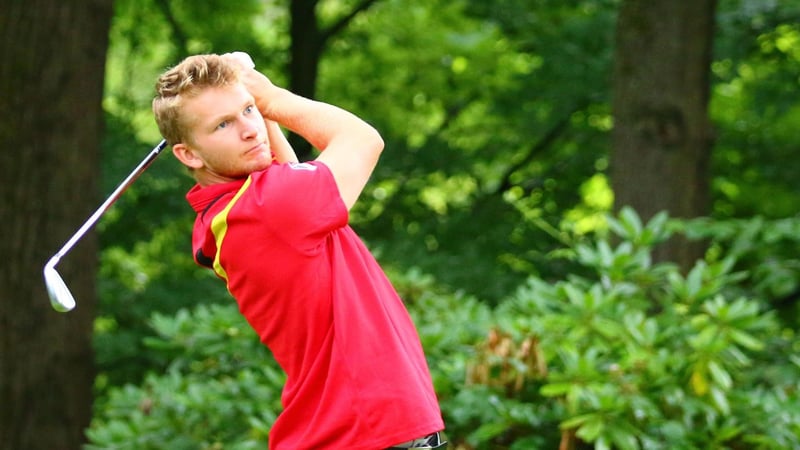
[[60, 296]]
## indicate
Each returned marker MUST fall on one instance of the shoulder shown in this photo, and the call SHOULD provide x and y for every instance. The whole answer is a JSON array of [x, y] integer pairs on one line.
[[298, 188], [310, 166], [291, 171]]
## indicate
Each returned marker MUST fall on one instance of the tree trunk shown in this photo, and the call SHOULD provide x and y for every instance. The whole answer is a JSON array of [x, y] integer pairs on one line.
[[308, 41], [51, 83], [305, 53], [662, 135]]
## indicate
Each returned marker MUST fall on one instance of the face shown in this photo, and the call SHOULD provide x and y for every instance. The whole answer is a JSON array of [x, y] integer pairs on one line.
[[228, 137]]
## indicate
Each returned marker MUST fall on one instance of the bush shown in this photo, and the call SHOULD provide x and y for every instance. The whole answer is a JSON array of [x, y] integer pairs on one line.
[[628, 355], [221, 390], [635, 356]]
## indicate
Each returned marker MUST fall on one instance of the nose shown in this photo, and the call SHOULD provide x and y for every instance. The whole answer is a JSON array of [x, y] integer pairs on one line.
[[249, 129]]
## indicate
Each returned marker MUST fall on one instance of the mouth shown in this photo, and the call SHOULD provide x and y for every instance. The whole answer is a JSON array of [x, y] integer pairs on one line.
[[260, 147]]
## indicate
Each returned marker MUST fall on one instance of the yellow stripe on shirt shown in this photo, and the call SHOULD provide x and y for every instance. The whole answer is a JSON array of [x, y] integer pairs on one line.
[[219, 227]]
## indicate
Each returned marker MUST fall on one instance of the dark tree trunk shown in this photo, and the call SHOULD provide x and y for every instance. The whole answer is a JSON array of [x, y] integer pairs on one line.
[[662, 135], [51, 83], [308, 40], [305, 53]]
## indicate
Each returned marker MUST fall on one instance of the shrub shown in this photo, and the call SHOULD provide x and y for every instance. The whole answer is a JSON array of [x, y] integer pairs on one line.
[[635, 356], [628, 354], [221, 390]]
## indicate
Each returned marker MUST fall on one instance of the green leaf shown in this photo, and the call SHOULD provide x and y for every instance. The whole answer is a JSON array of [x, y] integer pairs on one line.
[[746, 340], [488, 431], [577, 421], [606, 327], [657, 225], [575, 295], [631, 222], [720, 400], [694, 281], [602, 444], [556, 389], [606, 255], [706, 337], [720, 375], [587, 255], [618, 228], [623, 439], [698, 381], [591, 428]]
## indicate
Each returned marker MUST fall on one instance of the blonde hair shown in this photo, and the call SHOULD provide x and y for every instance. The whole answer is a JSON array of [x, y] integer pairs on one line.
[[186, 80]]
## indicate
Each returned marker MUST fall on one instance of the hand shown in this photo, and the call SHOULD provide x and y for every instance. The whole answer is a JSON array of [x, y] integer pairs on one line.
[[242, 57], [256, 83], [350, 147]]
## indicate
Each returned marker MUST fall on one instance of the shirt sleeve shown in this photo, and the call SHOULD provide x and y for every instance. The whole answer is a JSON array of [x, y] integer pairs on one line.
[[300, 202]]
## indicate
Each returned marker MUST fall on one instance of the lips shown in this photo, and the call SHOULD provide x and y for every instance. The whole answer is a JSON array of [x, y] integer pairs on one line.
[[256, 148]]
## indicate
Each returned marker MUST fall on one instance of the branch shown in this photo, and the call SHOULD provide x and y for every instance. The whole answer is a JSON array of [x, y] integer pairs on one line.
[[344, 21], [539, 147], [177, 31]]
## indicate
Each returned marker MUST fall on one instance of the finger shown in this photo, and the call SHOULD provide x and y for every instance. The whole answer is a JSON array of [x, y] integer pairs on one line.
[[243, 58]]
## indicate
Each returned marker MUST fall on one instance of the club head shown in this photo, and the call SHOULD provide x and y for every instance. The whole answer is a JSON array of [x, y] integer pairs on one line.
[[60, 297]]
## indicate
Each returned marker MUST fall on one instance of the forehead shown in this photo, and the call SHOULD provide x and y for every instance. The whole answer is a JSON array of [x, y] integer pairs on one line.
[[215, 103]]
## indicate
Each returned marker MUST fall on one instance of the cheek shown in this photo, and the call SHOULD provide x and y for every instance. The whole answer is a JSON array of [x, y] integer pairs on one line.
[[261, 127]]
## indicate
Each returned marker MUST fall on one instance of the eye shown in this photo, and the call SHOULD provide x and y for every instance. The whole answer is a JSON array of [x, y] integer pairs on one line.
[[223, 124], [249, 109]]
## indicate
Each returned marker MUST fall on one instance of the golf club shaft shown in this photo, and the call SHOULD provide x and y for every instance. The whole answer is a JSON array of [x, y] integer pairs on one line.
[[109, 201]]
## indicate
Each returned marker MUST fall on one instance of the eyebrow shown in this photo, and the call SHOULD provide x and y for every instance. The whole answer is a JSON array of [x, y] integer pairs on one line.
[[216, 120]]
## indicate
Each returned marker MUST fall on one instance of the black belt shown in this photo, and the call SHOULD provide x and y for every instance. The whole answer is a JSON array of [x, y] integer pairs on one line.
[[430, 441]]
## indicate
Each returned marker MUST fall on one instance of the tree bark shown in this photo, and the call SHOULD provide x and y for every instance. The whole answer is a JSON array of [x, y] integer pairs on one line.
[[51, 83], [662, 136]]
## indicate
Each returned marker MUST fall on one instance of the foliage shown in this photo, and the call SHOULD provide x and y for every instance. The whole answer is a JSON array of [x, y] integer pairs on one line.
[[496, 117], [754, 105], [767, 250], [220, 390], [635, 356], [632, 355], [485, 124]]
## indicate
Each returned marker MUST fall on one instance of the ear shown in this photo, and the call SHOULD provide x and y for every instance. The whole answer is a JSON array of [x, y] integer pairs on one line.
[[187, 156]]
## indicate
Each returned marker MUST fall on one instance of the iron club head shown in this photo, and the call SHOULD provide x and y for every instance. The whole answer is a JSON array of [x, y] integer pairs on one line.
[[60, 297]]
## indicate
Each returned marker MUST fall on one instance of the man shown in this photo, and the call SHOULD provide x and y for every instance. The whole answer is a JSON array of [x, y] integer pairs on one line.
[[276, 232]]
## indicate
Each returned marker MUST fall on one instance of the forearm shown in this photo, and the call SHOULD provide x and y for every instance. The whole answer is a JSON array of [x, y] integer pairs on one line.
[[321, 124], [279, 145], [350, 146]]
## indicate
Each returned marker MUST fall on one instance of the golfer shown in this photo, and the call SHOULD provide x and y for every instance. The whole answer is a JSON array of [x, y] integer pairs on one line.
[[276, 231]]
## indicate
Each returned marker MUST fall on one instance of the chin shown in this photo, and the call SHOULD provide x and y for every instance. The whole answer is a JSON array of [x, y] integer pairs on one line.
[[261, 165]]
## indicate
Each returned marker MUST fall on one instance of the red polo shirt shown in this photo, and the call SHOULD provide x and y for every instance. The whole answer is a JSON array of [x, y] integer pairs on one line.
[[356, 374]]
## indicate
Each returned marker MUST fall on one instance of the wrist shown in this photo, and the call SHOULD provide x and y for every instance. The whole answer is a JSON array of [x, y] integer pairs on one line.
[[269, 102]]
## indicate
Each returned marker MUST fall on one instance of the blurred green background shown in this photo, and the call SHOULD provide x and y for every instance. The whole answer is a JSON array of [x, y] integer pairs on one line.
[[546, 320]]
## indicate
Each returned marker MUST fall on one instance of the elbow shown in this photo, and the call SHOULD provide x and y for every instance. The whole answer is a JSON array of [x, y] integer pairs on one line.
[[371, 143], [374, 138], [379, 144]]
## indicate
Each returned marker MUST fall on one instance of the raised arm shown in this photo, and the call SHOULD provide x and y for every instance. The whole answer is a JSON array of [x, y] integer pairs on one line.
[[282, 151], [279, 145], [349, 146]]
